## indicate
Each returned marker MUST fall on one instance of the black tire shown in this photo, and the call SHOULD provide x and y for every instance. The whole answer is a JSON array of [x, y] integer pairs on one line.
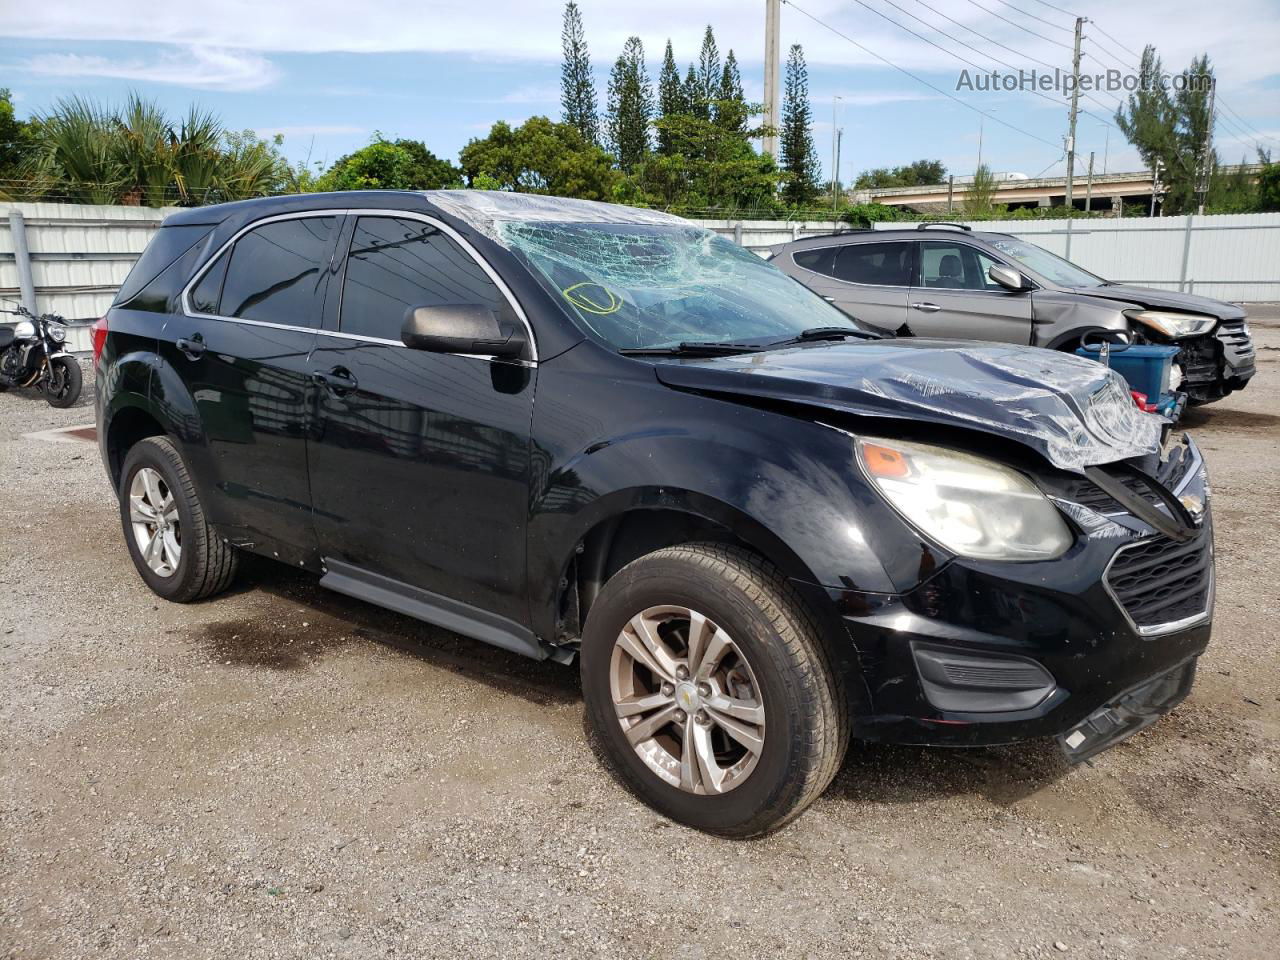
[[806, 708], [65, 384], [207, 564]]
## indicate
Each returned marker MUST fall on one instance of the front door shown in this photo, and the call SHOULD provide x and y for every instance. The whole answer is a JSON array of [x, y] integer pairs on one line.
[[954, 298], [420, 461], [241, 354]]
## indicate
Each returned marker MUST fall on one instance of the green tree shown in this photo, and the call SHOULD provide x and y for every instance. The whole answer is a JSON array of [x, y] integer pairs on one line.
[[710, 69], [577, 87], [731, 103], [979, 199], [1171, 128], [630, 106], [540, 157], [15, 141], [799, 158], [390, 165], [671, 100], [696, 103], [1269, 188], [920, 173]]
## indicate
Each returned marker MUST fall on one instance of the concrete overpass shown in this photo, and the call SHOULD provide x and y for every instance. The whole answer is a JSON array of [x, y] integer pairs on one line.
[[1109, 191]]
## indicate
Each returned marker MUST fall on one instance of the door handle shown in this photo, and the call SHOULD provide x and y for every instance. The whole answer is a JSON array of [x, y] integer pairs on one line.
[[191, 347], [829, 299], [337, 381], [926, 307]]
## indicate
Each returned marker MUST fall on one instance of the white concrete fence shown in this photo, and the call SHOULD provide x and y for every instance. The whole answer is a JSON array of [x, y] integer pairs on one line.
[[71, 258]]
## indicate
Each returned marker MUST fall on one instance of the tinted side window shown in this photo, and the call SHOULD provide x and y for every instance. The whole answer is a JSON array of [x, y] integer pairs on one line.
[[881, 264], [819, 260], [168, 244], [396, 264], [205, 295], [277, 272]]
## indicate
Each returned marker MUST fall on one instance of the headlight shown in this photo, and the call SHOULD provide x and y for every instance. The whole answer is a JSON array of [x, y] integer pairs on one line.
[[56, 332], [1175, 326], [973, 507]]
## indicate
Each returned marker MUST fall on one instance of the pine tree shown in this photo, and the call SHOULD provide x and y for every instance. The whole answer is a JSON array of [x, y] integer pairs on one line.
[[671, 101], [799, 158], [577, 88], [731, 106], [695, 100], [630, 106], [709, 69]]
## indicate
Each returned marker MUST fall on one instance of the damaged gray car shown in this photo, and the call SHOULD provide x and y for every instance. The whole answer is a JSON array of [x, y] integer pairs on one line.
[[949, 281]]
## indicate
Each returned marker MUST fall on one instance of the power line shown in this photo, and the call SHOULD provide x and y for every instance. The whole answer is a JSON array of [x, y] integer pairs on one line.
[[1130, 50], [921, 80], [985, 37], [1059, 9], [998, 16], [1243, 122], [1056, 26]]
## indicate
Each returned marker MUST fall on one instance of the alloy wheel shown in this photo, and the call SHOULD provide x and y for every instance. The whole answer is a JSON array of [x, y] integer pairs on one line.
[[687, 700], [153, 514]]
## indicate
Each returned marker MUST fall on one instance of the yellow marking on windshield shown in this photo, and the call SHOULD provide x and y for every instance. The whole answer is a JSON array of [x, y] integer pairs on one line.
[[600, 300]]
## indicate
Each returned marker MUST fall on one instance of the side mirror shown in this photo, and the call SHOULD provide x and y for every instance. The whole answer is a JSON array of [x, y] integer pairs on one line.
[[1007, 277], [463, 328]]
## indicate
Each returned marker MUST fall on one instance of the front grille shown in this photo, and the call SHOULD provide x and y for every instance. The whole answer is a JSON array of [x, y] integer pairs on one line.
[[1233, 332], [1159, 581], [1089, 494]]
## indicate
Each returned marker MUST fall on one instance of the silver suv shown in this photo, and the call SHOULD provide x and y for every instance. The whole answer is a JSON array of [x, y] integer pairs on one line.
[[948, 281]]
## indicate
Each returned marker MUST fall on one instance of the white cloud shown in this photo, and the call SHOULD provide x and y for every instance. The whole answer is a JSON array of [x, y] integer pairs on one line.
[[208, 68]]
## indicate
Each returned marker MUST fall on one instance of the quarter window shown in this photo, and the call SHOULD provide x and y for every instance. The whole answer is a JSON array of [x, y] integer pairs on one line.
[[819, 261], [877, 264], [395, 264], [276, 272], [207, 293]]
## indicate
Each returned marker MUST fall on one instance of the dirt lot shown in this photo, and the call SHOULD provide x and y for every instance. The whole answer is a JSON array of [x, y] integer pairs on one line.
[[284, 772]]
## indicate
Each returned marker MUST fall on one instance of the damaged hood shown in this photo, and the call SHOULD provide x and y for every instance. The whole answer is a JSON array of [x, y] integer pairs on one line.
[[1074, 412], [1154, 299]]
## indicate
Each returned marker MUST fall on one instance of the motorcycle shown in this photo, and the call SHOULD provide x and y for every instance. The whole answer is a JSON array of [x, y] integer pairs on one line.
[[33, 354]]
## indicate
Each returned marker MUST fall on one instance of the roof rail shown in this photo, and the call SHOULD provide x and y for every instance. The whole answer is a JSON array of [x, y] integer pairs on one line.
[[943, 223]]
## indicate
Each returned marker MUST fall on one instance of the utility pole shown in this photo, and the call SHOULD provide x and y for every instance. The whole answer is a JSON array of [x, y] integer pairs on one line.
[[772, 111], [1206, 154], [1075, 109], [1088, 190], [839, 138], [1155, 184], [835, 151]]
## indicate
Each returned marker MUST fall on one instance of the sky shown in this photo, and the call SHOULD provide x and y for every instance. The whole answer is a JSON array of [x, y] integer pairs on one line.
[[327, 75]]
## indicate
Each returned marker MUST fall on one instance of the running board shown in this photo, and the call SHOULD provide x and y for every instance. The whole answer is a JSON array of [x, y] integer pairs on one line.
[[452, 615]]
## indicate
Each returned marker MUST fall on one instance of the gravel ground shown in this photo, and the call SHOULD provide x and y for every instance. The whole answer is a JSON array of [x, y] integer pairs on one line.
[[285, 772]]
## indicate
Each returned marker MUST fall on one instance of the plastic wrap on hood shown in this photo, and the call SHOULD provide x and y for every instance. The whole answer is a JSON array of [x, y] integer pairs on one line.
[[486, 210], [1075, 412]]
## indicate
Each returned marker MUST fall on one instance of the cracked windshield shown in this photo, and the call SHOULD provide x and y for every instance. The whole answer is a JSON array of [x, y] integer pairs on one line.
[[659, 286]]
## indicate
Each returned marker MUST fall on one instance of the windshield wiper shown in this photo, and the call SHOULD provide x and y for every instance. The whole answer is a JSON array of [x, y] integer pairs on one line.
[[824, 333], [692, 348]]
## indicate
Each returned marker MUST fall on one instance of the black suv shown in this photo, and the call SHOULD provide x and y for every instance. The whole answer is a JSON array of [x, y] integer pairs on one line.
[[579, 430]]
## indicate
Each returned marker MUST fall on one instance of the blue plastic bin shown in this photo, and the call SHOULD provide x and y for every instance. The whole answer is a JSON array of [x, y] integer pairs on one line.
[[1146, 367]]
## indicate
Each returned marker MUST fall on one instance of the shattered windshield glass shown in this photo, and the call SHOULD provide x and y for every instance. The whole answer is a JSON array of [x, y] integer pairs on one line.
[[1048, 265], [646, 286]]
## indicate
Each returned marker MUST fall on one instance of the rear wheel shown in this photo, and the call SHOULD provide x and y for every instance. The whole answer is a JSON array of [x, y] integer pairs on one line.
[[173, 548], [709, 690]]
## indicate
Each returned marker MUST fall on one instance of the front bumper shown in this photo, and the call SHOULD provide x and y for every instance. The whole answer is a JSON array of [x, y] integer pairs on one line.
[[1218, 363], [1100, 642]]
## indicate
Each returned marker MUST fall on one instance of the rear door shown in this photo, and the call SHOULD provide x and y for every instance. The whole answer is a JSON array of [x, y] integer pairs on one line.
[[241, 351], [868, 280], [953, 297], [420, 461]]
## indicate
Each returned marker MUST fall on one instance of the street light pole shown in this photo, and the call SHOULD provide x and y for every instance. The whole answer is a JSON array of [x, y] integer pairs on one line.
[[772, 15], [835, 151]]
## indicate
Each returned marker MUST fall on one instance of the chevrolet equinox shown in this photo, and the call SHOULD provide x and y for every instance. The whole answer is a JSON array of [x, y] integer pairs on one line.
[[591, 432]]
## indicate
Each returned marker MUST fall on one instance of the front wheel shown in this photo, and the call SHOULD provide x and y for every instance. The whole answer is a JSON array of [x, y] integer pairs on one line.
[[62, 389], [710, 692]]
